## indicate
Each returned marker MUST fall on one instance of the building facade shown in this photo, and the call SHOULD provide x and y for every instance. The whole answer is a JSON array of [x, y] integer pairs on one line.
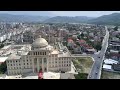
[[42, 56]]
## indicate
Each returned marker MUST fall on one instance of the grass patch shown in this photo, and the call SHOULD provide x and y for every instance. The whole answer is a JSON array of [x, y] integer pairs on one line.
[[110, 75], [83, 64], [81, 76]]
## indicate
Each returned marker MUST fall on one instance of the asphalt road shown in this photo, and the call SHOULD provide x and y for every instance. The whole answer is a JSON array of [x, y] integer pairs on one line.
[[97, 66]]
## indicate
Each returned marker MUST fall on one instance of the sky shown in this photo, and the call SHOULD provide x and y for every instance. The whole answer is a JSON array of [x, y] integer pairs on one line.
[[61, 13]]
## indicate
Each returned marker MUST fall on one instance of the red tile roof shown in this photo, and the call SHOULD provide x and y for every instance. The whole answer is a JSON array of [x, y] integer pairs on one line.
[[82, 41], [70, 40]]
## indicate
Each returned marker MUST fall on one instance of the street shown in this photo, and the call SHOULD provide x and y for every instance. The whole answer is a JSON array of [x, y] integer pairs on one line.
[[97, 66]]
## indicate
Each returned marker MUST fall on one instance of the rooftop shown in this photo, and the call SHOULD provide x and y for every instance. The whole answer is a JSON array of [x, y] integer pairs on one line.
[[40, 42], [13, 57], [3, 59], [107, 66], [55, 52]]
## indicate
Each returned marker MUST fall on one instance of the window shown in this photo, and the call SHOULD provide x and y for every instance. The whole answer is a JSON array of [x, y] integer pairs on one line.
[[27, 63], [8, 61], [27, 60], [40, 53], [16, 61], [19, 64], [24, 63], [45, 60], [36, 53], [56, 62], [45, 69], [45, 53]]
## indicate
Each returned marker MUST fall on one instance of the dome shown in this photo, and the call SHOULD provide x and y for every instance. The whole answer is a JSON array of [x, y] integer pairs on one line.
[[40, 42]]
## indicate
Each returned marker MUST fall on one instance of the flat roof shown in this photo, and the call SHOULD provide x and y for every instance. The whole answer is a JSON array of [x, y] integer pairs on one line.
[[110, 61], [14, 56], [107, 66], [55, 52], [3, 59], [6, 47]]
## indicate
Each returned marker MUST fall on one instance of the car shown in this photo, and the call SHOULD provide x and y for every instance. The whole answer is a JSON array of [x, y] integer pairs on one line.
[[97, 67], [96, 73], [98, 57]]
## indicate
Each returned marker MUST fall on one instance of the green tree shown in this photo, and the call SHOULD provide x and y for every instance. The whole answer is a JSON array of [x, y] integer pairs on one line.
[[2, 45], [98, 46], [3, 68], [82, 35]]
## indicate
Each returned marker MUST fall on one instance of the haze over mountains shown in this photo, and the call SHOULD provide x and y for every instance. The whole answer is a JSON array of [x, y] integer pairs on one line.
[[113, 19]]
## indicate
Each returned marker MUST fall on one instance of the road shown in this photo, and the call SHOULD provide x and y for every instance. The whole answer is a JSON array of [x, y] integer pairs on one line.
[[97, 66]]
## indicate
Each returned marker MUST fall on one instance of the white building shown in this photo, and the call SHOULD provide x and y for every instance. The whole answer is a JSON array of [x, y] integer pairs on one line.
[[41, 56]]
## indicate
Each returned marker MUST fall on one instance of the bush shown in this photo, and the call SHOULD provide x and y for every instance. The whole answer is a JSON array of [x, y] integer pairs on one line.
[[81, 76]]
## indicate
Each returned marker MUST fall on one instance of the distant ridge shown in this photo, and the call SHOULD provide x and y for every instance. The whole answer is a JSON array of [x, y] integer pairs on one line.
[[112, 19], [66, 19], [21, 18]]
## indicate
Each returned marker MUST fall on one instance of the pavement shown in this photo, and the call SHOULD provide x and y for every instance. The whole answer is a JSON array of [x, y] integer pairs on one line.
[[97, 66]]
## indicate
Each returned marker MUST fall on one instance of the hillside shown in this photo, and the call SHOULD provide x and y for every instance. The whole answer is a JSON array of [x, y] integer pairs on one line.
[[112, 19], [66, 19], [21, 18]]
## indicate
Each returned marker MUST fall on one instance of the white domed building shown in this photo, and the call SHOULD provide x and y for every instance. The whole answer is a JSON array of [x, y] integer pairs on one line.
[[42, 56]]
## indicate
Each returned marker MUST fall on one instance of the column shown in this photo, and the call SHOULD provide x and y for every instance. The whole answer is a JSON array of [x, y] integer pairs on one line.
[[47, 63], [37, 65], [42, 65], [33, 65]]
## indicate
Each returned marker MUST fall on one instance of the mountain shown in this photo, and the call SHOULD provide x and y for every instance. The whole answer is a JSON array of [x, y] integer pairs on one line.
[[112, 19], [66, 19], [21, 18]]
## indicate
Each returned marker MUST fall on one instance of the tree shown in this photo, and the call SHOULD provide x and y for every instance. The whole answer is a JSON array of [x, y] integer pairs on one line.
[[2, 45], [82, 35], [98, 47], [3, 68]]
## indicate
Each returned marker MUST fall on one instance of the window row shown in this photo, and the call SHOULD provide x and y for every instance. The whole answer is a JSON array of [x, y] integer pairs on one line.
[[64, 65], [63, 58], [38, 53], [13, 61]]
